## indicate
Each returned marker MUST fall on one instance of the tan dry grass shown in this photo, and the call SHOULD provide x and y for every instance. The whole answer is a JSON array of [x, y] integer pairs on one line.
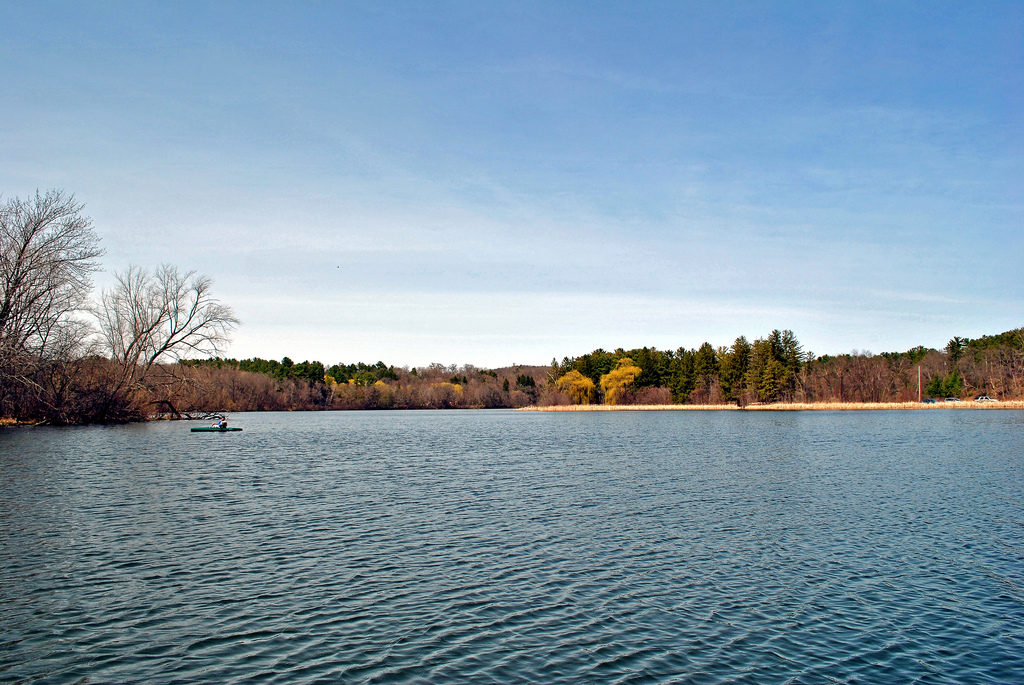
[[633, 407], [785, 406], [862, 406]]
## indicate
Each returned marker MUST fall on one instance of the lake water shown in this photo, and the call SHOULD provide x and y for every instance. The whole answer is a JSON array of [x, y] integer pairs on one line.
[[499, 546]]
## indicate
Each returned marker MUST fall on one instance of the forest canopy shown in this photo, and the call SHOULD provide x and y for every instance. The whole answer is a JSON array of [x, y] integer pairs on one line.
[[772, 368]]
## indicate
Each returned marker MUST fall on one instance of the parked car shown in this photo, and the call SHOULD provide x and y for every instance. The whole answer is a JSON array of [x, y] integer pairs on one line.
[[952, 399], [928, 401], [985, 398]]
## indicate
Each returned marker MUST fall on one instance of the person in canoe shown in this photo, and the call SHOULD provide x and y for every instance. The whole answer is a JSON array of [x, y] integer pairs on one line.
[[221, 423]]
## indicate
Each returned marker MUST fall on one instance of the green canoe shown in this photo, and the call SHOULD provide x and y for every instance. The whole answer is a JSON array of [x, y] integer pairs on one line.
[[211, 429]]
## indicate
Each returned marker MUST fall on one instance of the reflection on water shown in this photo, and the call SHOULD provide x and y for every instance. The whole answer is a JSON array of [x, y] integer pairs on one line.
[[498, 546]]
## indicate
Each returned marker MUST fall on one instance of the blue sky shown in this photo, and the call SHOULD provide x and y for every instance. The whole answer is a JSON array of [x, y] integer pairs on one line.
[[497, 183]]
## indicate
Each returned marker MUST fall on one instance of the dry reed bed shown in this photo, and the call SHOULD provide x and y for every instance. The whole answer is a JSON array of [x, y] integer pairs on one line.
[[633, 407], [785, 406]]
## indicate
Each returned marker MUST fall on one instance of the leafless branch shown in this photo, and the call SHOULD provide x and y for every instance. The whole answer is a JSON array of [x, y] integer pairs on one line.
[[48, 252], [148, 319]]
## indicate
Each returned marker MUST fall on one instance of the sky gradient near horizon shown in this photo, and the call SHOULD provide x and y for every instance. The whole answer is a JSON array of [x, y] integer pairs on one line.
[[498, 183]]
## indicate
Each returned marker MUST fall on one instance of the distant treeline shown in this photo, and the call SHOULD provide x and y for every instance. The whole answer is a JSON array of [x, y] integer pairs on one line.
[[774, 368], [312, 372], [259, 385]]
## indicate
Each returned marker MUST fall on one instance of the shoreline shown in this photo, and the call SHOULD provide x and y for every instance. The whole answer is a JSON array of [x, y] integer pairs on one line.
[[784, 406], [7, 422]]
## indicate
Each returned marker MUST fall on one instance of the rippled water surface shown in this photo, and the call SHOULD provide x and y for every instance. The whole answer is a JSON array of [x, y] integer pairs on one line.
[[498, 546]]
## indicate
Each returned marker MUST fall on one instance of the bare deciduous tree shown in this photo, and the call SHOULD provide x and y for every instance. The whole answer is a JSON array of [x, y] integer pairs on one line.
[[147, 318], [48, 252]]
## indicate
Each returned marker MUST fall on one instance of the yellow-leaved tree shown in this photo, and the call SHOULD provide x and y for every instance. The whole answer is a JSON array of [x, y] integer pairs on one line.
[[578, 387], [619, 380]]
